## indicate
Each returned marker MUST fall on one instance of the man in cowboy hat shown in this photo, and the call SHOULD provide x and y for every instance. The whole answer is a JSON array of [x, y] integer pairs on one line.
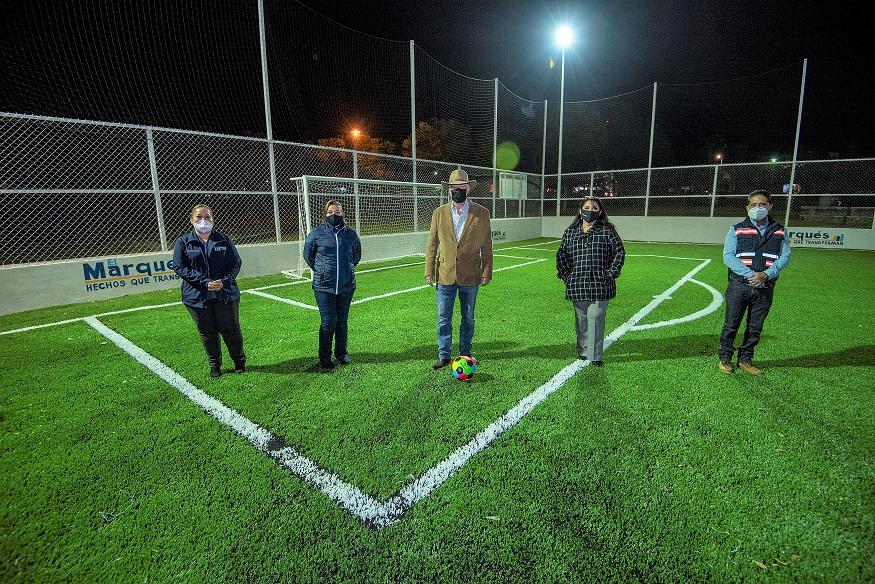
[[460, 243]]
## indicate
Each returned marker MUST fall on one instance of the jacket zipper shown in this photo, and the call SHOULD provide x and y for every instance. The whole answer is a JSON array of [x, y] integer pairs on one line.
[[337, 263]]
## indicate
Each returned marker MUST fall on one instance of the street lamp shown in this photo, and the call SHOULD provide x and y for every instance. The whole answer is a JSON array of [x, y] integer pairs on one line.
[[356, 134], [719, 158], [564, 37]]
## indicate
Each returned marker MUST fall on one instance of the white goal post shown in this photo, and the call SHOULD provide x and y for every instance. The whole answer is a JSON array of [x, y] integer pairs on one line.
[[373, 208]]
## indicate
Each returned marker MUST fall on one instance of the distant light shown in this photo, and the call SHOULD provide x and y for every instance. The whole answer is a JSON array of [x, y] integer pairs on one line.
[[564, 36], [774, 159], [718, 157], [356, 134]]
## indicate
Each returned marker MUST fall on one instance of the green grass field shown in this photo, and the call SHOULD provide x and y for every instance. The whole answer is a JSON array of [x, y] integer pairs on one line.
[[656, 467]]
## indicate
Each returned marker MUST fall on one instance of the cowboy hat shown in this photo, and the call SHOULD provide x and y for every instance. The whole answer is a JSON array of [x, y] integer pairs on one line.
[[459, 177]]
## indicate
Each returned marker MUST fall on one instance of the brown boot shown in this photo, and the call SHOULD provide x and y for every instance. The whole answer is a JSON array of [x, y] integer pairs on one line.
[[726, 367], [749, 367], [440, 363]]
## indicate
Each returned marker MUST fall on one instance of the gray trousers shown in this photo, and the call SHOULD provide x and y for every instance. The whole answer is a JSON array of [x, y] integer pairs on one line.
[[590, 320]]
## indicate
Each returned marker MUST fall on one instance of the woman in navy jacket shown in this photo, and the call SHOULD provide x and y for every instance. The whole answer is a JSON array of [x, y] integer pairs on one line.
[[332, 251], [208, 263]]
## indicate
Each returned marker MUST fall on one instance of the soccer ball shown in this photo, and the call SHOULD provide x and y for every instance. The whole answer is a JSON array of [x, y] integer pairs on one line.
[[464, 368]]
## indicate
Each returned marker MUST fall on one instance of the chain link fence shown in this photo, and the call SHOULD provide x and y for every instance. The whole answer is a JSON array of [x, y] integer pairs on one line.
[[71, 189]]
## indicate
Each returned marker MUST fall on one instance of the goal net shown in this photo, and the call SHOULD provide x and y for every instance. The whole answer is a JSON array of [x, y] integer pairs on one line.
[[391, 217]]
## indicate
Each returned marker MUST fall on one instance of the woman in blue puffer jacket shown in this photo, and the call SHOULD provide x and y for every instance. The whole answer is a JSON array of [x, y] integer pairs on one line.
[[332, 251]]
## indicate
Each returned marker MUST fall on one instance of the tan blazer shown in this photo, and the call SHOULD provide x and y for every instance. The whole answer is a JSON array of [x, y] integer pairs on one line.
[[462, 262]]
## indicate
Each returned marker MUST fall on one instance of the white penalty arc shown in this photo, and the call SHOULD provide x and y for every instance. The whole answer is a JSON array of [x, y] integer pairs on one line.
[[716, 302]]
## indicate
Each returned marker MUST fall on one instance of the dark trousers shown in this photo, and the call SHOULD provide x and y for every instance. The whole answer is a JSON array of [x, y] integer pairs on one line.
[[215, 319], [741, 299], [334, 311]]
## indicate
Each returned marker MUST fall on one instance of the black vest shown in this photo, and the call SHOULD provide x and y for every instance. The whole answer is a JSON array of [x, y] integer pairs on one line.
[[756, 251]]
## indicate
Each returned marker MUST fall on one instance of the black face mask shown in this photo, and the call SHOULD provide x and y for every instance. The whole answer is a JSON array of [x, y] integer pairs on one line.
[[459, 195], [590, 216], [334, 220]]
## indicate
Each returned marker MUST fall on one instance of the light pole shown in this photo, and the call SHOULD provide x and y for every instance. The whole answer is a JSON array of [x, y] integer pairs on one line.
[[564, 37]]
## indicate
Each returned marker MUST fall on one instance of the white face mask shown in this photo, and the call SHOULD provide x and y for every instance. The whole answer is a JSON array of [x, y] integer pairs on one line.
[[203, 226], [757, 213]]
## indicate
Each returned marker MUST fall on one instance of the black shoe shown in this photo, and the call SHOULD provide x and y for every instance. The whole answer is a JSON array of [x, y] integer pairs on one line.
[[598, 363], [582, 357], [440, 363], [238, 369], [215, 371], [326, 366], [344, 360]]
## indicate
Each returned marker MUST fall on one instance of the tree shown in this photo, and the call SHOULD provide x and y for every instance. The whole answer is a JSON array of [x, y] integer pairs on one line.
[[370, 166], [439, 139]]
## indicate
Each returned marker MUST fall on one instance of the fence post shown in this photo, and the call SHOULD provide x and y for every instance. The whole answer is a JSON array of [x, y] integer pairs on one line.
[[796, 144], [543, 162], [265, 88], [495, 147], [355, 189], [650, 153], [413, 134], [591, 183], [156, 189], [714, 189]]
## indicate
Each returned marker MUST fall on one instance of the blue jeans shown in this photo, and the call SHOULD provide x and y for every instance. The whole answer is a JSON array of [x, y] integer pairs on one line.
[[334, 313], [446, 300]]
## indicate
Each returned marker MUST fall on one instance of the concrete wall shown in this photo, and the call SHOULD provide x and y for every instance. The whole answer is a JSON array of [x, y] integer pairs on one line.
[[37, 286], [713, 230]]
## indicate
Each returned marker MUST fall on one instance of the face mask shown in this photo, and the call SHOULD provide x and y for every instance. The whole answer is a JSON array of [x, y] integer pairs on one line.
[[203, 226], [459, 195], [590, 216], [757, 213], [334, 220]]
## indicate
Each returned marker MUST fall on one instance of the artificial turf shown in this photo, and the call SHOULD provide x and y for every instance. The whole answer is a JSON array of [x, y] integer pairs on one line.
[[656, 467]]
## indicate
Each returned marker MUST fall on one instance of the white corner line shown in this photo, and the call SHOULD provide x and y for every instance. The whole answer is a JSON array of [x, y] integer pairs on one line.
[[437, 475], [365, 507]]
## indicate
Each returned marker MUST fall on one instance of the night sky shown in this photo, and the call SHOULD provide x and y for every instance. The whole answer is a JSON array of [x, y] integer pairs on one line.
[[626, 45], [194, 64]]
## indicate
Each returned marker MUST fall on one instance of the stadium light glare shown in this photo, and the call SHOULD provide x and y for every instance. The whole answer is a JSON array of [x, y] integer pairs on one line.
[[564, 36]]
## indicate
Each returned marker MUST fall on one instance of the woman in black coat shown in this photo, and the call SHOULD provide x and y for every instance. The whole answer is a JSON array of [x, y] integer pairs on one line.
[[589, 261], [332, 251], [208, 263]]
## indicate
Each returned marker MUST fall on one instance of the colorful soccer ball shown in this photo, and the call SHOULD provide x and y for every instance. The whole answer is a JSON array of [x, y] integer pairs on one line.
[[464, 368]]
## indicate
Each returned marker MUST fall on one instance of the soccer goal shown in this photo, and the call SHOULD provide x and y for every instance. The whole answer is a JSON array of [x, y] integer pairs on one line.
[[391, 217]]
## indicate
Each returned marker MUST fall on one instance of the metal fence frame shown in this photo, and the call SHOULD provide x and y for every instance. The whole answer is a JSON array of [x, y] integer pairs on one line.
[[203, 151]]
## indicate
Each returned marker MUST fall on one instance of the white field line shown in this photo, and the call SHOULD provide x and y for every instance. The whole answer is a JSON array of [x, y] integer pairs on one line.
[[291, 274], [437, 475], [424, 286], [357, 272], [533, 245], [366, 508], [151, 306], [68, 321], [501, 255], [281, 299], [716, 301]]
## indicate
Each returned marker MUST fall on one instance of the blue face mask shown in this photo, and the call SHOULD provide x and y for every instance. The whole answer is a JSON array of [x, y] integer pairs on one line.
[[459, 195], [334, 220], [757, 213]]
